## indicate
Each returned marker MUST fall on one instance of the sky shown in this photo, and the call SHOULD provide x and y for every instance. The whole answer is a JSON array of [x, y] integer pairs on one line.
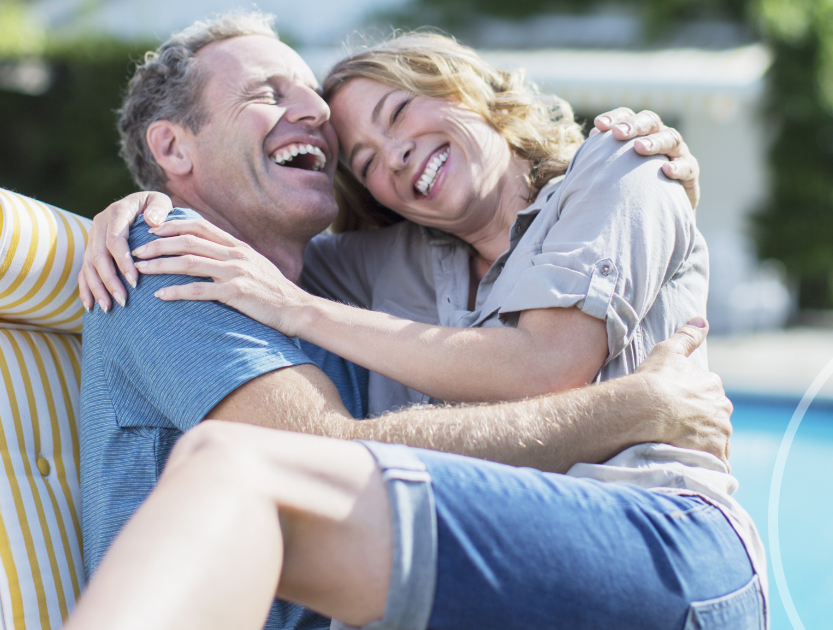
[[310, 23]]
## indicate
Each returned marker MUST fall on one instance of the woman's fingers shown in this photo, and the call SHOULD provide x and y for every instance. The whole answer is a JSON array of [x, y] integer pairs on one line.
[[93, 290], [606, 121], [185, 244], [187, 265], [667, 141], [157, 207], [686, 170], [642, 124], [196, 291], [115, 222], [197, 227]]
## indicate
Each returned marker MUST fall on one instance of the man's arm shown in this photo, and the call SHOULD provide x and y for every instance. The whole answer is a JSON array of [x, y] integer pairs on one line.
[[667, 400]]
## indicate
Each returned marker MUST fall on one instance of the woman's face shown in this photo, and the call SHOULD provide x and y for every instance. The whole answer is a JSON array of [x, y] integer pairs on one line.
[[434, 161]]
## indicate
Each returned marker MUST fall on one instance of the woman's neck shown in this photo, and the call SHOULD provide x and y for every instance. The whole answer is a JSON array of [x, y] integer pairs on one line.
[[491, 238]]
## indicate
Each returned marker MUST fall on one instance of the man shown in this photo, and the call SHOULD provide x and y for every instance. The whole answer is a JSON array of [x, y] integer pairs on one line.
[[202, 121]]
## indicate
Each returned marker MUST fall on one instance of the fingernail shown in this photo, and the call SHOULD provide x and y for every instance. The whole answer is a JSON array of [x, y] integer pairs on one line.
[[140, 264], [647, 144], [160, 293], [152, 230], [605, 120], [139, 250], [86, 308], [103, 306], [131, 280], [119, 299], [673, 167], [156, 215], [624, 127], [697, 322]]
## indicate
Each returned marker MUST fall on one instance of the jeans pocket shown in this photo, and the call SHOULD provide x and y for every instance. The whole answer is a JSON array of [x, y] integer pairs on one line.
[[742, 610]]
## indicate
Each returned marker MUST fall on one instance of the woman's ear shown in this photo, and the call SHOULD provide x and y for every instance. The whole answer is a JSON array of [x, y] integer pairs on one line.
[[170, 147]]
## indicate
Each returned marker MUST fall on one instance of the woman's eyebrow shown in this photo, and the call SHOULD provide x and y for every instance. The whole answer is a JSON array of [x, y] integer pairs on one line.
[[374, 116]]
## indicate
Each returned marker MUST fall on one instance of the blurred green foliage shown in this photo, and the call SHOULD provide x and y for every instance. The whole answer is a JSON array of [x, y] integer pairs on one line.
[[19, 34], [62, 146]]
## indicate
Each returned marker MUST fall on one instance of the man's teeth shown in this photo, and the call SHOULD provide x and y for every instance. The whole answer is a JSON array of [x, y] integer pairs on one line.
[[429, 176], [285, 154]]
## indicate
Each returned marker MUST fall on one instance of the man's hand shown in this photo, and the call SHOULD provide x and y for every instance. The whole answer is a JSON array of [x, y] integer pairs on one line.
[[692, 410], [654, 138]]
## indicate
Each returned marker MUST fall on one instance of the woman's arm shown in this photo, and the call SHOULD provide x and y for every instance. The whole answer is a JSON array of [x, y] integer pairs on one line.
[[552, 349]]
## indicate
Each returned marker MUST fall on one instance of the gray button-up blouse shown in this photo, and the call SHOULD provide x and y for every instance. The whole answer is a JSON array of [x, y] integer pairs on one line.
[[613, 237]]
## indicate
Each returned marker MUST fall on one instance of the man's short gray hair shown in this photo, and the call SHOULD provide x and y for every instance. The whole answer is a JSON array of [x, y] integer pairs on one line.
[[168, 84]]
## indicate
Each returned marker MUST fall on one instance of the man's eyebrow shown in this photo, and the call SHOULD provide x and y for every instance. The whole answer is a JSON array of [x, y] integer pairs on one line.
[[252, 85], [374, 117]]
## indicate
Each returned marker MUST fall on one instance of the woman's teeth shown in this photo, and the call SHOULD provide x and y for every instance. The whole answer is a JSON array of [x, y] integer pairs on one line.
[[289, 152], [429, 177]]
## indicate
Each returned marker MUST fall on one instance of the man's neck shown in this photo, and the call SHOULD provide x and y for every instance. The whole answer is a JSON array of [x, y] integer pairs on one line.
[[287, 254]]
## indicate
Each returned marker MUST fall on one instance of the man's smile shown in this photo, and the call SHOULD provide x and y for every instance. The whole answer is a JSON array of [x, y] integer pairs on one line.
[[297, 155]]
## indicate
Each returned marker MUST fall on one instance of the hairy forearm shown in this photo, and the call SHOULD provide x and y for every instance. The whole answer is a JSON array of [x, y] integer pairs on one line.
[[451, 364], [550, 433]]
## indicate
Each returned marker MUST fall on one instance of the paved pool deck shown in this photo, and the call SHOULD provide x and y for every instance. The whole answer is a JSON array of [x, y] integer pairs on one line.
[[773, 363]]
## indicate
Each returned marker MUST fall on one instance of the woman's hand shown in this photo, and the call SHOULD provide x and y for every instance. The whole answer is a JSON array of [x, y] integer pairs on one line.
[[107, 244], [243, 278], [655, 139]]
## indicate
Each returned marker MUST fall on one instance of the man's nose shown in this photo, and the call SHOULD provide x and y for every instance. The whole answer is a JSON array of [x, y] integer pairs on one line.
[[308, 107]]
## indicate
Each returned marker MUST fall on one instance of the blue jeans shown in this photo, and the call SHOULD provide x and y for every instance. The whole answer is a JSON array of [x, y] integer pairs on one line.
[[486, 546]]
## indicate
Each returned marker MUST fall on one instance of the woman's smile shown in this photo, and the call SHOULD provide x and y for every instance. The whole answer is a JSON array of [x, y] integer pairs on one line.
[[428, 179]]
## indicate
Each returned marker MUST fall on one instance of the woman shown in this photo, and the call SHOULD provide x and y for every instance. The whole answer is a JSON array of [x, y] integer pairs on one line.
[[494, 146]]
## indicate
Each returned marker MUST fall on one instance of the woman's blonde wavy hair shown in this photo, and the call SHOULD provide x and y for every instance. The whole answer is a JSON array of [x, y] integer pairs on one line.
[[539, 128]]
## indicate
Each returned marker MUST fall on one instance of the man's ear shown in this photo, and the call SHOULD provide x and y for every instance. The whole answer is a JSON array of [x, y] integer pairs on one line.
[[170, 146]]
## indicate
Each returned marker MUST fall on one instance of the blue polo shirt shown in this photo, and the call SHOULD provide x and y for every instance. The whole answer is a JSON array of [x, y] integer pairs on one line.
[[152, 371]]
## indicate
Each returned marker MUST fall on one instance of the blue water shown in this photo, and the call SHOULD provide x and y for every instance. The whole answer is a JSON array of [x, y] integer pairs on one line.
[[806, 507]]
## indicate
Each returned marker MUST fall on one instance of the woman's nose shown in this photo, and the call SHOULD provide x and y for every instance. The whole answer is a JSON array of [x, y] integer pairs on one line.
[[399, 154]]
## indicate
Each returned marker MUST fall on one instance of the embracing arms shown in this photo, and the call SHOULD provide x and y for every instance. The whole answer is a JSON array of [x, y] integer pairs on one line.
[[552, 349], [668, 399]]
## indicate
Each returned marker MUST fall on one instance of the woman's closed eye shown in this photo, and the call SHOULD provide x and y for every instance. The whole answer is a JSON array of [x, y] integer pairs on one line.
[[399, 109], [366, 168]]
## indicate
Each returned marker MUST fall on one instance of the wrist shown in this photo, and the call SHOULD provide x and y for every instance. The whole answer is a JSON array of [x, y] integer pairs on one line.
[[300, 313], [650, 402]]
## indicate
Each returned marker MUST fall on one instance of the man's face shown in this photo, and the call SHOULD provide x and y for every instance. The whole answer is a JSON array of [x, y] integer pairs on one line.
[[263, 105]]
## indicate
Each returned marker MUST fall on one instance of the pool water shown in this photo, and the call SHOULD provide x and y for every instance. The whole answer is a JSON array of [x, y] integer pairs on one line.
[[806, 505]]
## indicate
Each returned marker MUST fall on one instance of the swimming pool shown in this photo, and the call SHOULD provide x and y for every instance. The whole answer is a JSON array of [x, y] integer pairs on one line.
[[806, 506]]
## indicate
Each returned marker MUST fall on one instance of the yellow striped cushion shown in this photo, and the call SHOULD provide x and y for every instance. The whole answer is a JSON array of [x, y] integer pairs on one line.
[[41, 568], [41, 248]]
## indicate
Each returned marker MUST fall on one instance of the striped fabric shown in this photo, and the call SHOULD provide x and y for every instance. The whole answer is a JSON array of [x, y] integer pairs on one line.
[[40, 529], [41, 567], [40, 256]]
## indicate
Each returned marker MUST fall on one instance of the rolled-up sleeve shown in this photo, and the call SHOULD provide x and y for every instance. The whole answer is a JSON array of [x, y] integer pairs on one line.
[[615, 232]]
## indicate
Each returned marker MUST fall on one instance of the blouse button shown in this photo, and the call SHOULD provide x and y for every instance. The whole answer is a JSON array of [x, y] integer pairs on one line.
[[43, 466], [605, 270]]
